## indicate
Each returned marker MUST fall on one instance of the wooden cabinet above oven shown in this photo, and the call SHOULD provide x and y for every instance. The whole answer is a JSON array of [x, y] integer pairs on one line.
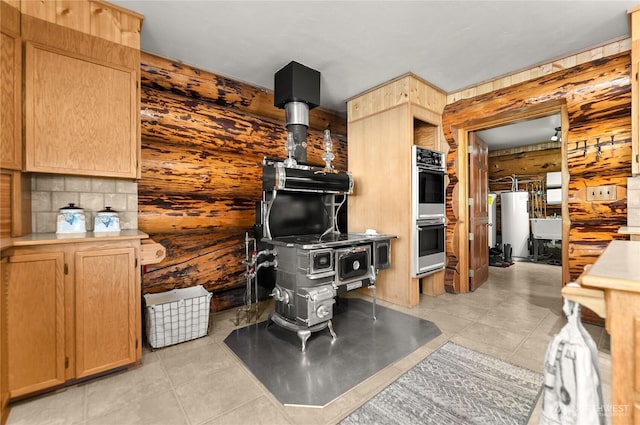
[[383, 124]]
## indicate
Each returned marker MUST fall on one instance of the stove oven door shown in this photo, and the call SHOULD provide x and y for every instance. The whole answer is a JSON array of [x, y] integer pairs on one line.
[[353, 266]]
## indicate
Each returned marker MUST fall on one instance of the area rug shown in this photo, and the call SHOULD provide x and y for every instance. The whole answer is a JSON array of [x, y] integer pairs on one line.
[[327, 370], [455, 385]]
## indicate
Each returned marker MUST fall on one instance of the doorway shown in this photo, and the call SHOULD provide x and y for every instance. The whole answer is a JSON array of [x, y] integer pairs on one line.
[[468, 230]]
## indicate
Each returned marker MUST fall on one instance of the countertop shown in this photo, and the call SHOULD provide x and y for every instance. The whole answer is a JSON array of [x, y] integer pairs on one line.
[[62, 238], [617, 268], [627, 230]]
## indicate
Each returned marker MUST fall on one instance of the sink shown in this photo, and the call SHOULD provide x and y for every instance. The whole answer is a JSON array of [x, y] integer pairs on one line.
[[547, 228]]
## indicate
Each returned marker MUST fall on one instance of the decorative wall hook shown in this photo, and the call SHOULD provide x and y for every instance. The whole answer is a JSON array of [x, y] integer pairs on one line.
[[598, 149], [612, 142]]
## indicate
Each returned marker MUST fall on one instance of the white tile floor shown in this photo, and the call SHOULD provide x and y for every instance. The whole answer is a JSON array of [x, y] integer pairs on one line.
[[513, 316]]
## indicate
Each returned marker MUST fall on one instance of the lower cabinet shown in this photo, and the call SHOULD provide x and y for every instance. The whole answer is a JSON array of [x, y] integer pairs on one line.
[[73, 311]]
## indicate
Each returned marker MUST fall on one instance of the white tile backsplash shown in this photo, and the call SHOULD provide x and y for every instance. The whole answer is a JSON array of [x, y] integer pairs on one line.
[[633, 183], [92, 201], [633, 217], [126, 186], [52, 192], [117, 201], [49, 182], [40, 201], [62, 199], [103, 185], [77, 184]]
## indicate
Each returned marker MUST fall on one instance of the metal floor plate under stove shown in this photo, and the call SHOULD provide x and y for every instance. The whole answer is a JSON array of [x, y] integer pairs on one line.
[[327, 370]]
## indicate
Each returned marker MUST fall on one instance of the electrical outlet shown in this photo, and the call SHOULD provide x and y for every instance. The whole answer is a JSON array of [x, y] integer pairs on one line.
[[601, 193]]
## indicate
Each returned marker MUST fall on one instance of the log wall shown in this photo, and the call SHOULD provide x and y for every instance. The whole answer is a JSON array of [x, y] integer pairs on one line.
[[598, 100], [527, 163], [203, 140]]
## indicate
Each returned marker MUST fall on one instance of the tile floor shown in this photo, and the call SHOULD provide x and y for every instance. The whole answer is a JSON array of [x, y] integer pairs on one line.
[[513, 316]]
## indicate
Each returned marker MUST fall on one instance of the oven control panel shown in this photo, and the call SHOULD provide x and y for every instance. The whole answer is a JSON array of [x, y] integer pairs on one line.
[[429, 159]]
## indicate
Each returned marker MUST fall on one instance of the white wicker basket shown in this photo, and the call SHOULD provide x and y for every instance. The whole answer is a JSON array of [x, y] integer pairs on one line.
[[177, 316]]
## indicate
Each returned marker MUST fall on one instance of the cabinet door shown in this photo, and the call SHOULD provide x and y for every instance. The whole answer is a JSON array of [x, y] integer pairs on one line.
[[107, 291], [35, 322], [10, 89], [80, 114]]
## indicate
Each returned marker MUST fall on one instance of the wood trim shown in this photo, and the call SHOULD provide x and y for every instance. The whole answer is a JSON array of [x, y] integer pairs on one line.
[[4, 383], [16, 204], [11, 74], [566, 217], [634, 22], [77, 43], [607, 49], [93, 17], [521, 114]]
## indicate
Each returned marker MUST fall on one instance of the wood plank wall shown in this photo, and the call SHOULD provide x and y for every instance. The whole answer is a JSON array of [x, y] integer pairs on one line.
[[526, 163], [203, 140], [598, 99]]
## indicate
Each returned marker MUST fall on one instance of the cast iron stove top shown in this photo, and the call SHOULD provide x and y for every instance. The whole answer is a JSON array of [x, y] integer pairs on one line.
[[329, 240]]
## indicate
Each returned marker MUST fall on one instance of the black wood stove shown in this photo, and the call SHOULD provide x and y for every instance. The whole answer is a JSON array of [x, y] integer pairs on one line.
[[314, 261], [297, 221]]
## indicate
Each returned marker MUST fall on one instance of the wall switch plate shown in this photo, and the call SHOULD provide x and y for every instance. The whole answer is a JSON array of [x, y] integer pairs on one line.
[[601, 193]]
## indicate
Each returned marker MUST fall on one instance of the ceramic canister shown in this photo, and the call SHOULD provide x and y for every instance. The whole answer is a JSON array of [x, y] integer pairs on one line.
[[71, 219], [106, 220]]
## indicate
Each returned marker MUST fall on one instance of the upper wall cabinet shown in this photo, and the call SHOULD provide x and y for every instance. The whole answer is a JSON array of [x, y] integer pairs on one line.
[[81, 71], [10, 88], [80, 114]]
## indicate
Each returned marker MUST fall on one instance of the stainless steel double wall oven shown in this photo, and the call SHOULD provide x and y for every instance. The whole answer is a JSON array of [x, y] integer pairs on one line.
[[428, 211]]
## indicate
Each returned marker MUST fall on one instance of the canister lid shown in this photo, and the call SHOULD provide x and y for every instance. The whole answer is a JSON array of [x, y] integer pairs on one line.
[[71, 208], [107, 211]]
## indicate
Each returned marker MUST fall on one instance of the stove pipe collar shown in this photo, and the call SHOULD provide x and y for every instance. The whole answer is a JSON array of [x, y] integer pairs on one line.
[[297, 90]]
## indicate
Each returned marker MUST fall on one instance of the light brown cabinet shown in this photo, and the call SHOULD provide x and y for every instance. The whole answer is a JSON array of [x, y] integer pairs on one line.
[[73, 311], [81, 103], [106, 296], [383, 124], [36, 319]]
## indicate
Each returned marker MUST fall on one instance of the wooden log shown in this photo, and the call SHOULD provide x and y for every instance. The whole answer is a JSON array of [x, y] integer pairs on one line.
[[598, 102], [174, 213], [212, 259], [587, 242], [164, 74], [173, 169], [203, 141], [596, 90], [535, 163], [613, 159], [197, 125]]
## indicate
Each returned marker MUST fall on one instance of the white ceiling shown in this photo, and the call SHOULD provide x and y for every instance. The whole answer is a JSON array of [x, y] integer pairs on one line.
[[357, 45], [522, 133]]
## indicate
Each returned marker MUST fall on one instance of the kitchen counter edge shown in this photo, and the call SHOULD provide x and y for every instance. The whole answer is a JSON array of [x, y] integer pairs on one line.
[[34, 239]]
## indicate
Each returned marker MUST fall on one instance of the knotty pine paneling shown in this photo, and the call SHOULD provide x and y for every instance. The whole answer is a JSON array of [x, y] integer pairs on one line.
[[95, 17], [598, 101], [203, 140]]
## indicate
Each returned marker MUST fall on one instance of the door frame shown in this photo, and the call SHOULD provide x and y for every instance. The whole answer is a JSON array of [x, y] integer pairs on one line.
[[462, 131]]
